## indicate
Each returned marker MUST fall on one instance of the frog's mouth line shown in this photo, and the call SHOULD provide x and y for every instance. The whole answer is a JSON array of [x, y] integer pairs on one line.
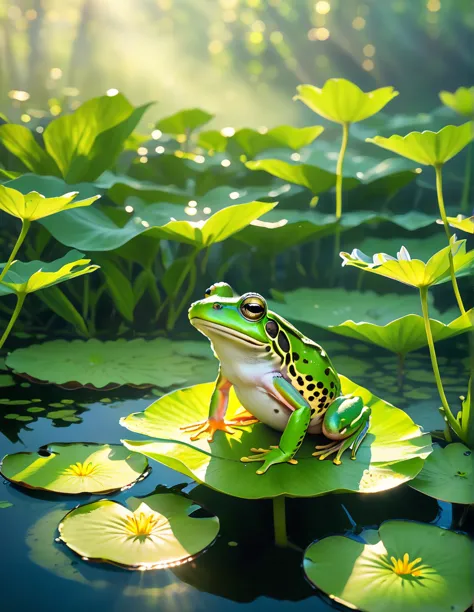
[[224, 331]]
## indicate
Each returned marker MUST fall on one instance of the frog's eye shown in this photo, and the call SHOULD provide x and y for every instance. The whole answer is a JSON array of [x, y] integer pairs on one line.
[[253, 308]]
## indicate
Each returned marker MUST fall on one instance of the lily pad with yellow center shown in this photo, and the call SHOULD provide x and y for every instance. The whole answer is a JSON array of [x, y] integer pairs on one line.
[[404, 567], [154, 532], [448, 474], [75, 468]]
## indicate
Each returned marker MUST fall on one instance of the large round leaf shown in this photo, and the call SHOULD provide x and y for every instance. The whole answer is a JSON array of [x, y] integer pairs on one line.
[[75, 468], [157, 531], [448, 474], [461, 100], [367, 316], [404, 567], [342, 101], [92, 363], [429, 148], [392, 452]]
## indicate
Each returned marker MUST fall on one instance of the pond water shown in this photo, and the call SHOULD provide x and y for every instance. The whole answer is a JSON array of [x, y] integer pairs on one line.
[[243, 567]]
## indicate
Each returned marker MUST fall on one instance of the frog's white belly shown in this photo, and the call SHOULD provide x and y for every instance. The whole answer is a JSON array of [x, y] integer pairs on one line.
[[263, 406]]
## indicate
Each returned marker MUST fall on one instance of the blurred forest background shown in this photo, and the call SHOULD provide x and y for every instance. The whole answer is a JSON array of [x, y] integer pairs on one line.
[[240, 59]]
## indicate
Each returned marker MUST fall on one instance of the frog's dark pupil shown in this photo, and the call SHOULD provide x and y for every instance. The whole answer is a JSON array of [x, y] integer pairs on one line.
[[272, 329]]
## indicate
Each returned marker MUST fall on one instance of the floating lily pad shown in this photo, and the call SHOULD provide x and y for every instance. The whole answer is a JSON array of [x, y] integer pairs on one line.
[[448, 474], [6, 380], [5, 504], [404, 567], [392, 452], [366, 316], [107, 365], [75, 468], [158, 531]]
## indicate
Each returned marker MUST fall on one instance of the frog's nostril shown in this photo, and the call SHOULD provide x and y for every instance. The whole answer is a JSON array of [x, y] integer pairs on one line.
[[217, 306]]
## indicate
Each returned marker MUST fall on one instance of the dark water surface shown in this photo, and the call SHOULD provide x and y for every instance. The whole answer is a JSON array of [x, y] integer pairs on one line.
[[38, 573]]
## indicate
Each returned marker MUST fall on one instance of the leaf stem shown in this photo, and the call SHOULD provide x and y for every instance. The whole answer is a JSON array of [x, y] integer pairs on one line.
[[20, 298], [434, 361], [279, 521], [339, 167], [442, 210], [25, 226], [467, 180]]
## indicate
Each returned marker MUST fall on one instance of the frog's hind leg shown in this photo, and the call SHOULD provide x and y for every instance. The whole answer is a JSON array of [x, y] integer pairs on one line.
[[346, 422]]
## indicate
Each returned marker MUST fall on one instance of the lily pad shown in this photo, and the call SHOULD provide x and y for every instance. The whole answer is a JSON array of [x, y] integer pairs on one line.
[[448, 474], [404, 567], [429, 148], [461, 100], [367, 316], [157, 531], [415, 272], [5, 504], [392, 453], [252, 142], [75, 468], [23, 278], [107, 365], [341, 101]]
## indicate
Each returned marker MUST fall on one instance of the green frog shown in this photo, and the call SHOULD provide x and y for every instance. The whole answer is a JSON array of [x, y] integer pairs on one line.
[[281, 378]]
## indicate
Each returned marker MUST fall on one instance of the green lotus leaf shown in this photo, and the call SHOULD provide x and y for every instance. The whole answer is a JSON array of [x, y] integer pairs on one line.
[[156, 531], [93, 230], [391, 454], [79, 146], [315, 179], [404, 567], [461, 101], [5, 504], [121, 187], [75, 468], [368, 316], [117, 362], [34, 206], [465, 224], [35, 275], [183, 122], [429, 148], [448, 474], [341, 101], [212, 141], [52, 186], [281, 229], [252, 142], [415, 272], [418, 249], [20, 141]]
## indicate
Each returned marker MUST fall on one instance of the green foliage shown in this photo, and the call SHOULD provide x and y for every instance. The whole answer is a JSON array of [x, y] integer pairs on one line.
[[408, 566], [414, 272], [34, 206], [341, 101], [79, 146], [156, 531], [429, 148], [24, 278], [461, 100], [75, 468], [465, 224], [184, 122], [391, 454]]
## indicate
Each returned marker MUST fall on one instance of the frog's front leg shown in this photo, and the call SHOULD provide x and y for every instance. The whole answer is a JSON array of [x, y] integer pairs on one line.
[[346, 422], [217, 410], [295, 430]]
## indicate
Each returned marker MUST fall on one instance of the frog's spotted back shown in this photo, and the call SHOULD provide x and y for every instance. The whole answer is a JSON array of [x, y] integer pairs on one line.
[[304, 363]]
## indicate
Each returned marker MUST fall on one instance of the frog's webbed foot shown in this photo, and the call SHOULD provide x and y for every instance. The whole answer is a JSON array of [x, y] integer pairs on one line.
[[326, 450], [270, 456], [210, 426]]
